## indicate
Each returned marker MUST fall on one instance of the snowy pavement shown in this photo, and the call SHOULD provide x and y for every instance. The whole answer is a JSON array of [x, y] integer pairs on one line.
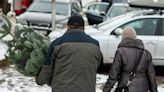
[[3, 48], [12, 81]]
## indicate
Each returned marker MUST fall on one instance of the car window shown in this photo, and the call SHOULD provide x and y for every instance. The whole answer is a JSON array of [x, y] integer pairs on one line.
[[143, 26], [91, 7], [117, 10], [62, 8], [101, 8]]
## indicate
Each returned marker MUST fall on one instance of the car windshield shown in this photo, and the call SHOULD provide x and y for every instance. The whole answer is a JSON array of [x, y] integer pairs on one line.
[[111, 22], [118, 10], [45, 6]]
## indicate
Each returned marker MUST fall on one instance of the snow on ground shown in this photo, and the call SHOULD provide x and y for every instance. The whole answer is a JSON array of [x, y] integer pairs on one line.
[[3, 48], [12, 81], [161, 88]]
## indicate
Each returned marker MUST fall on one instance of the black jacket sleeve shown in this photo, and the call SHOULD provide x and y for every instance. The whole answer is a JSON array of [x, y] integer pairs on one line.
[[101, 64], [114, 72]]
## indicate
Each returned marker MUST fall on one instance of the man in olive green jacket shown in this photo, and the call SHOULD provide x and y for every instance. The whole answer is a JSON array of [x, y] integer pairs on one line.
[[72, 61]]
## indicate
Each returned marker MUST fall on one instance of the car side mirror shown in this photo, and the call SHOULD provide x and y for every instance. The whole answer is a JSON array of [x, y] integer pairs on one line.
[[118, 31]]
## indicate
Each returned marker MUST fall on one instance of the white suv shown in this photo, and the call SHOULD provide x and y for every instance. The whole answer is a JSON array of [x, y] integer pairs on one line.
[[148, 25]]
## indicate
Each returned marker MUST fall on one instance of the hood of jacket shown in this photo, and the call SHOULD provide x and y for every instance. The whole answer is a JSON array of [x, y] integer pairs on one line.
[[133, 43]]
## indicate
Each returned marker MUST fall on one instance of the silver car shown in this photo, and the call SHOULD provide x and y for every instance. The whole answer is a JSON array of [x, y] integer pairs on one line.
[[149, 25], [38, 15], [98, 12]]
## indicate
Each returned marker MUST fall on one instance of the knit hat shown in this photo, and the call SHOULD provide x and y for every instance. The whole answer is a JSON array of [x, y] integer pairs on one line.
[[129, 32], [76, 20]]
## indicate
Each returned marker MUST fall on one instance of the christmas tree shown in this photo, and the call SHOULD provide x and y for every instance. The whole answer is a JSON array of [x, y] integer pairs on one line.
[[27, 49]]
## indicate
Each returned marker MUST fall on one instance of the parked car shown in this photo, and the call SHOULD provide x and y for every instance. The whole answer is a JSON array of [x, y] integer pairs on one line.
[[149, 26], [101, 11], [38, 15], [95, 12]]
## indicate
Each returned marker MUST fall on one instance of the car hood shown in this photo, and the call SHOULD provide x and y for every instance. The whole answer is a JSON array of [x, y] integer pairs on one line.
[[42, 17], [90, 30]]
